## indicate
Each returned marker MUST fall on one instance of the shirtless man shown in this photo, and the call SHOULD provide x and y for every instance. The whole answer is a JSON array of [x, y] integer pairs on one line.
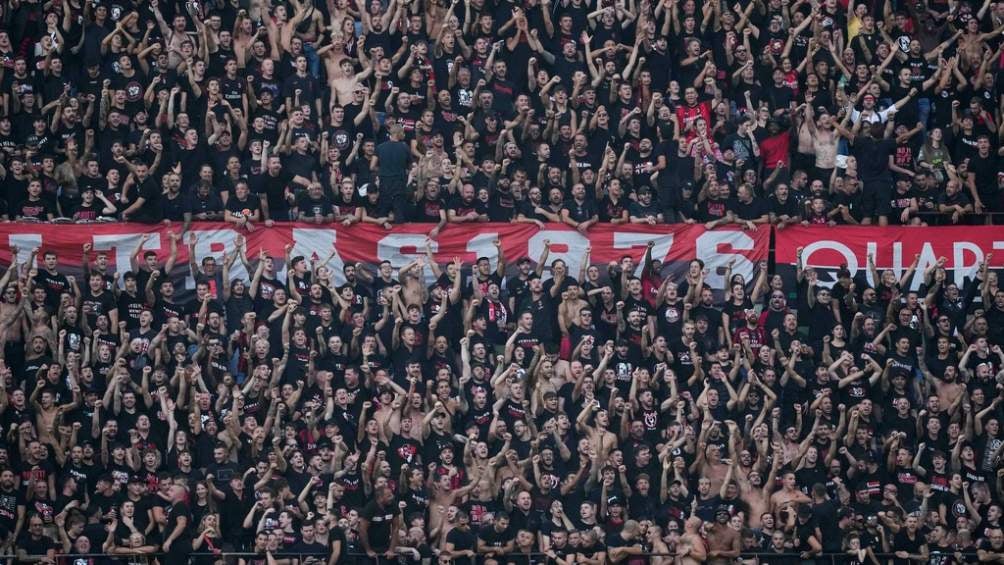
[[511, 470], [723, 541], [307, 22], [413, 289], [333, 53], [443, 497], [175, 34], [345, 81], [947, 388], [572, 305], [691, 549], [47, 412], [481, 467], [11, 308], [601, 441], [709, 462], [788, 497], [824, 140], [755, 490]]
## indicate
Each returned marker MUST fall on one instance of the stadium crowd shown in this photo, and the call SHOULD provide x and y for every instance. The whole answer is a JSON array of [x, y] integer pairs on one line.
[[529, 415]]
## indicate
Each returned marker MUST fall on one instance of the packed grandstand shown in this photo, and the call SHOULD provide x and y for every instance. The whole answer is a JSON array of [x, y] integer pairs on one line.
[[485, 282]]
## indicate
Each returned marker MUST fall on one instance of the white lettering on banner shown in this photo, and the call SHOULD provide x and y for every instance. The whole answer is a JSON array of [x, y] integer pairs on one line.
[[389, 249], [307, 242], [897, 260], [899, 266], [123, 244], [483, 245], [663, 243], [707, 246], [25, 242], [959, 266], [370, 245], [849, 258], [574, 243], [966, 258], [927, 259], [212, 243]]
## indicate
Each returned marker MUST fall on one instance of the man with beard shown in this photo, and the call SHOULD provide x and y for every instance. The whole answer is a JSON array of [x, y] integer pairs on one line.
[[379, 524], [723, 541]]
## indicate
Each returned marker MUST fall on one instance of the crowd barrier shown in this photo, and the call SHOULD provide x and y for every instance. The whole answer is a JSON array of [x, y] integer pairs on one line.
[[352, 558]]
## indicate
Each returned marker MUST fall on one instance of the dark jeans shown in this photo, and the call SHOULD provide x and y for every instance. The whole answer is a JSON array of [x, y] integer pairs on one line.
[[395, 189]]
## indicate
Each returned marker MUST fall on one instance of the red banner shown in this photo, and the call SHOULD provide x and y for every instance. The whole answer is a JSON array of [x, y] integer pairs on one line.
[[675, 245], [963, 248]]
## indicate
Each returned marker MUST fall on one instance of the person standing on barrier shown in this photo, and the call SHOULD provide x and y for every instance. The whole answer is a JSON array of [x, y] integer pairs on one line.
[[391, 160]]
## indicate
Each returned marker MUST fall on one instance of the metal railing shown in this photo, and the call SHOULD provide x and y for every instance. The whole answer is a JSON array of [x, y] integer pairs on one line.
[[357, 557]]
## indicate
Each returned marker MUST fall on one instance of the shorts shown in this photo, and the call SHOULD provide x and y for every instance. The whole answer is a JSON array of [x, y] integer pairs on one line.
[[876, 198], [822, 175], [802, 161]]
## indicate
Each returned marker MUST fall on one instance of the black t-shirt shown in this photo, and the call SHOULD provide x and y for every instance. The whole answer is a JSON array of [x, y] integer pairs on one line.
[[462, 540], [197, 205], [175, 513], [35, 546], [34, 210], [382, 208], [393, 159], [54, 285], [463, 207], [825, 515], [580, 211], [97, 304], [174, 207], [752, 211], [873, 157], [381, 520], [150, 192], [985, 169], [313, 548], [246, 207], [790, 207], [638, 210], [337, 537], [427, 210], [313, 207], [712, 209], [273, 188], [307, 85], [9, 501], [494, 538], [615, 539], [902, 542]]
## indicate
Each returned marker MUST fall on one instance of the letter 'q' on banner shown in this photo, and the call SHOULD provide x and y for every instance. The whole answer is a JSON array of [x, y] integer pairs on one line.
[[826, 249]]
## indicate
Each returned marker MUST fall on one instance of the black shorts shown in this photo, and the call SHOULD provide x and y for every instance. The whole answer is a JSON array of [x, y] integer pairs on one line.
[[822, 175], [876, 198], [803, 161]]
